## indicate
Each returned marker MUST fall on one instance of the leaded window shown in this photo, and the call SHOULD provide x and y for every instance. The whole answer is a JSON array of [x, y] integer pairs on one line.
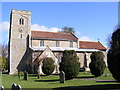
[[41, 43]]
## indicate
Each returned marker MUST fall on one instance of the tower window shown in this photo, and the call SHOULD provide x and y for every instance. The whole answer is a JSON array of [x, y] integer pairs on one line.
[[71, 44], [21, 35], [42, 43], [21, 21], [57, 43]]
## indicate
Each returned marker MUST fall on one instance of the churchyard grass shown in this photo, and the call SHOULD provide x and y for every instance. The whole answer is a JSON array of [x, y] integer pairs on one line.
[[52, 81]]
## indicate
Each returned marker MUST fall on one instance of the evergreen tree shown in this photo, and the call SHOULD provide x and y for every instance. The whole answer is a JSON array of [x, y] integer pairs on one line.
[[114, 55], [97, 64], [70, 64], [48, 66]]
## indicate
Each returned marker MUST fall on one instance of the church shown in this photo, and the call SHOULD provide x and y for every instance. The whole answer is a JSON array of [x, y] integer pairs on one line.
[[28, 48]]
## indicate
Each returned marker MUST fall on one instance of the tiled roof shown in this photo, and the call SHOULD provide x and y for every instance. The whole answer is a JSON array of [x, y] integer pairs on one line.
[[53, 35], [91, 45]]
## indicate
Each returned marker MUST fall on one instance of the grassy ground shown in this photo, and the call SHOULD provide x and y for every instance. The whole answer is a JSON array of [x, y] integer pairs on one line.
[[52, 81]]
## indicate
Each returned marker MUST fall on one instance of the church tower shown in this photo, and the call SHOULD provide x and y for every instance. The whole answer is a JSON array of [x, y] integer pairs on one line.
[[19, 38]]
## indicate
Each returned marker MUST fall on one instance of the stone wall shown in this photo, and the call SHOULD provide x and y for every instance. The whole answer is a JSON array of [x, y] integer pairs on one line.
[[51, 43], [19, 36]]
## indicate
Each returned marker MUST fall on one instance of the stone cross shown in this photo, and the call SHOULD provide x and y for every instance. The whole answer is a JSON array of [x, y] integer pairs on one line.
[[62, 77]]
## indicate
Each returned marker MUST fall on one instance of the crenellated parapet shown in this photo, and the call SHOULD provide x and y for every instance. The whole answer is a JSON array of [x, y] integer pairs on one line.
[[21, 12]]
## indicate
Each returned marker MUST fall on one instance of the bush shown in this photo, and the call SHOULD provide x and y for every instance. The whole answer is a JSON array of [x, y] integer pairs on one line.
[[70, 64], [114, 55], [97, 64], [48, 66]]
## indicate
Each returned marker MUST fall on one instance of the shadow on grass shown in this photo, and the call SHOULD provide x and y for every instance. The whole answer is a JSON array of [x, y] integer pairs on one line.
[[47, 80], [36, 75], [98, 87], [107, 81], [83, 77]]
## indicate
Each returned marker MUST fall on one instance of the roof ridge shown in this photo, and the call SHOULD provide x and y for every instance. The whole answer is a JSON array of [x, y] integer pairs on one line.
[[89, 41], [57, 35], [50, 32]]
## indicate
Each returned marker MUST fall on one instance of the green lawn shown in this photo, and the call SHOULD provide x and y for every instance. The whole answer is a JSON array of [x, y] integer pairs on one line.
[[52, 81]]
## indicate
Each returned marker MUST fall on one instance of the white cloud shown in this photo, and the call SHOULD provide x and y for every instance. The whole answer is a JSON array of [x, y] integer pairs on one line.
[[4, 26], [36, 27], [85, 38]]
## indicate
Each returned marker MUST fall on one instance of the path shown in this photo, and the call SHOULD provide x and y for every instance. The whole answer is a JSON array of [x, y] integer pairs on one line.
[[99, 80]]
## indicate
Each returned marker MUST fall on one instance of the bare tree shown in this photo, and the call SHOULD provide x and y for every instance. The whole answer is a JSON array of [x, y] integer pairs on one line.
[[4, 56]]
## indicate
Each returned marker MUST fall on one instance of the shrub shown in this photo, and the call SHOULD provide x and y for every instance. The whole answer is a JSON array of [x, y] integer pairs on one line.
[[48, 66], [97, 64], [70, 64], [114, 55]]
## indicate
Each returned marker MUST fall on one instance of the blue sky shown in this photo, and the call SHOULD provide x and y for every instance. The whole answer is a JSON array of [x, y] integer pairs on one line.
[[90, 20]]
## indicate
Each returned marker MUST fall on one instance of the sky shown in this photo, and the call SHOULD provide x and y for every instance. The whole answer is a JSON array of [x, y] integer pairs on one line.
[[90, 20]]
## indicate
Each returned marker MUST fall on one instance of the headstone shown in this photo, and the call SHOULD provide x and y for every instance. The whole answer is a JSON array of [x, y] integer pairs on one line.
[[25, 75], [1, 88], [18, 74], [18, 87], [14, 86], [38, 76], [62, 77]]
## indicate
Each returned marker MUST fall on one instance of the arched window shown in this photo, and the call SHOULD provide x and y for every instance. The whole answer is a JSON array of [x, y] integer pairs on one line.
[[41, 43], [21, 35], [57, 43], [21, 21], [71, 44]]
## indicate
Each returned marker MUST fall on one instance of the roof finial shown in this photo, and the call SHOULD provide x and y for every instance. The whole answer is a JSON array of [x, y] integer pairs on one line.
[[98, 39]]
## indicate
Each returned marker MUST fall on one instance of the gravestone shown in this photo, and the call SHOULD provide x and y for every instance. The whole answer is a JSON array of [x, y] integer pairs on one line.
[[62, 77], [14, 86], [18, 87], [18, 74], [25, 75], [1, 88], [38, 76]]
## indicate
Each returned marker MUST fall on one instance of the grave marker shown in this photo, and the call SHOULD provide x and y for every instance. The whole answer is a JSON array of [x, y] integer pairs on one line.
[[62, 77]]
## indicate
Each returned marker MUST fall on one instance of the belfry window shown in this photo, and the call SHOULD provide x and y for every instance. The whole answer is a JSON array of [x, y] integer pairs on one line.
[[41, 43], [21, 21]]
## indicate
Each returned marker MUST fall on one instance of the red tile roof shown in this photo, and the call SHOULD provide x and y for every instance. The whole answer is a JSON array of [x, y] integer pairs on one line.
[[53, 35], [91, 45]]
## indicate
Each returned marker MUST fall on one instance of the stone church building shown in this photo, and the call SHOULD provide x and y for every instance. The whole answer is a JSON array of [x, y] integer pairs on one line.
[[27, 48]]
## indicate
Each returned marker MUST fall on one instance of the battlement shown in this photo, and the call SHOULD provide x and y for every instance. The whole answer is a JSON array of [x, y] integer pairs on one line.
[[19, 11]]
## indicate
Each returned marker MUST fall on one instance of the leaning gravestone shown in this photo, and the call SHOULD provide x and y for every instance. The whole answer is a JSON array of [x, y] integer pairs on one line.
[[62, 77], [25, 75]]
